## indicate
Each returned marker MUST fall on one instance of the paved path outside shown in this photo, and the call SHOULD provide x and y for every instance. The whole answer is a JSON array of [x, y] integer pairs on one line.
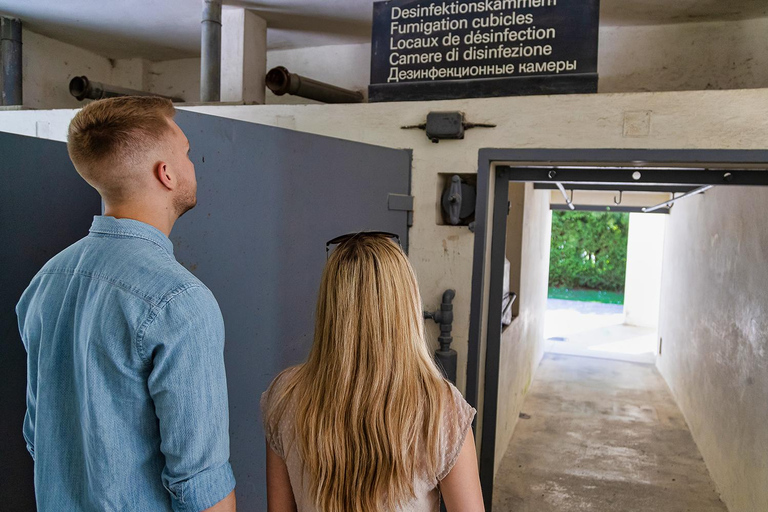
[[603, 436], [594, 329]]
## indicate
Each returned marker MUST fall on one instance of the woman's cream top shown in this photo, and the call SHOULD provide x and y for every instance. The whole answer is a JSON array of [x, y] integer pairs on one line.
[[456, 421]]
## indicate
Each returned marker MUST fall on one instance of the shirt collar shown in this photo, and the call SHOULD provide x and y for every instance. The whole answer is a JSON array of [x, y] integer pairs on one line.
[[132, 228]]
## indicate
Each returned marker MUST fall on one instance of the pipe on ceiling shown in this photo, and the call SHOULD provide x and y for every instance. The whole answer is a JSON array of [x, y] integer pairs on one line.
[[281, 81], [11, 92], [210, 52], [667, 204], [81, 88]]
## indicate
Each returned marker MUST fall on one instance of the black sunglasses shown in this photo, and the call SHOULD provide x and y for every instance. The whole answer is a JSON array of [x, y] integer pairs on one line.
[[343, 238]]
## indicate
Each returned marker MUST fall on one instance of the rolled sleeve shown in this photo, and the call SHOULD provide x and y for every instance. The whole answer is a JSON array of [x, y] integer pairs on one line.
[[204, 490], [185, 347]]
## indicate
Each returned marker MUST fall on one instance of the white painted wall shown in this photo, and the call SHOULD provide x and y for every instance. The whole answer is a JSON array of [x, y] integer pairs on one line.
[[442, 255], [642, 286], [522, 343], [714, 327]]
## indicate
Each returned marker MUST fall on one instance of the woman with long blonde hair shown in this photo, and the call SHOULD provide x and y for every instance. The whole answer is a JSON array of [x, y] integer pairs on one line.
[[368, 423]]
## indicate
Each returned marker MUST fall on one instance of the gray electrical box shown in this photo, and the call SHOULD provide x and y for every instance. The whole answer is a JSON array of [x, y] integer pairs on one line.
[[445, 125]]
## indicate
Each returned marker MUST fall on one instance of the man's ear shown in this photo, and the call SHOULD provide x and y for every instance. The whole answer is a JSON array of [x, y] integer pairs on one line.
[[164, 176]]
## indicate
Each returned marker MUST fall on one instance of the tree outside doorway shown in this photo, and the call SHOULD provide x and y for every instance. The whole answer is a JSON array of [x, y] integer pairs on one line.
[[588, 256]]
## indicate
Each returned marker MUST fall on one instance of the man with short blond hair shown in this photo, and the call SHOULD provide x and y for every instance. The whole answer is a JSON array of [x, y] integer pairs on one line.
[[126, 390]]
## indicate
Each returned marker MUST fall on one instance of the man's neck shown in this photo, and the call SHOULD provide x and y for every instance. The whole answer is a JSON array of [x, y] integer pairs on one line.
[[160, 219]]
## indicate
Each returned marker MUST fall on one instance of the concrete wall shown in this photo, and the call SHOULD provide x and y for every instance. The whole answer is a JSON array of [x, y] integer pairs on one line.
[[177, 78], [714, 327], [48, 66], [442, 255], [686, 56], [674, 57], [522, 342], [642, 286], [346, 65]]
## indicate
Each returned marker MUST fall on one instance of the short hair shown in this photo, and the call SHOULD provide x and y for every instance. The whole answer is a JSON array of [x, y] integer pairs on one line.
[[112, 131]]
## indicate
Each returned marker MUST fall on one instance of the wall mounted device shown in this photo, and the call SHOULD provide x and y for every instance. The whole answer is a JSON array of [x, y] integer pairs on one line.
[[458, 202], [446, 126]]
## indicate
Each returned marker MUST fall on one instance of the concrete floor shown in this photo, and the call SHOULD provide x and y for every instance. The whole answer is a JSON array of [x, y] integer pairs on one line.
[[603, 435]]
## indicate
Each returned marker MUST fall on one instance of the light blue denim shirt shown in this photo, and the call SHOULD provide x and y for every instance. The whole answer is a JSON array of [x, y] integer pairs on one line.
[[126, 392]]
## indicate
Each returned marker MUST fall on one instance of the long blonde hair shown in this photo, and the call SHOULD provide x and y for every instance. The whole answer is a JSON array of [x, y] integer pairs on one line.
[[369, 398]]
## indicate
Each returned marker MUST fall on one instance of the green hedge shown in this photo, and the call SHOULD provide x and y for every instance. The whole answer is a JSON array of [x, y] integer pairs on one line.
[[589, 250]]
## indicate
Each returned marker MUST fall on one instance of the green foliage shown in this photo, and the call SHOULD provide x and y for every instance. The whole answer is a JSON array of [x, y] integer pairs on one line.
[[589, 250]]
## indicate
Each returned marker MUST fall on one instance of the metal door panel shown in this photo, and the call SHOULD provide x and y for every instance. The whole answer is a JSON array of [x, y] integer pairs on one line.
[[268, 200], [45, 206]]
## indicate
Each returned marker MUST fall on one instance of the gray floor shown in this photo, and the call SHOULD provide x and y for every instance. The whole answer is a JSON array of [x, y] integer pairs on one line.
[[603, 435]]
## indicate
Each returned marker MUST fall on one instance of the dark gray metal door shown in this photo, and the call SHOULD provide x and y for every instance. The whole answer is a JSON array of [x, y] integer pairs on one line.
[[268, 200], [44, 207]]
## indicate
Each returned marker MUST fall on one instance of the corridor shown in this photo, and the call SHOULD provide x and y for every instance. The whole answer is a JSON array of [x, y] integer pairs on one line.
[[603, 435]]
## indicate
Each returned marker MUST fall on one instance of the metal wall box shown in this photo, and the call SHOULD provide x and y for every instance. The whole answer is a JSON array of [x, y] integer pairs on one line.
[[445, 125]]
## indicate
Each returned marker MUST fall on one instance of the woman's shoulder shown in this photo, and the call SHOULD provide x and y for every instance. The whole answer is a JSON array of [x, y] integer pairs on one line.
[[274, 415], [278, 386], [456, 408], [284, 376]]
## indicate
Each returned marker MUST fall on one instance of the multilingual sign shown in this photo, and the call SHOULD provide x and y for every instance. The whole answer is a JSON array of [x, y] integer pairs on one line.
[[444, 49]]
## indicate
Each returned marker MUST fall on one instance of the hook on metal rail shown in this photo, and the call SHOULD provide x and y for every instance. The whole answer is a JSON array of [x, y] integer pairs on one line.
[[617, 203]]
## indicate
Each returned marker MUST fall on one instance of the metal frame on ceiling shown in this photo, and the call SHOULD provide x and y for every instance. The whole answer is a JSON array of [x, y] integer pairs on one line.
[[599, 208], [651, 170]]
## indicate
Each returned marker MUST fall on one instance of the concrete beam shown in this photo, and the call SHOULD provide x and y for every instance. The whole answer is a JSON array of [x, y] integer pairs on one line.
[[243, 56]]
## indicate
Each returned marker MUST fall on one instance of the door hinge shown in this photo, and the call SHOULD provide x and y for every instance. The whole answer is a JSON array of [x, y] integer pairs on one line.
[[401, 202]]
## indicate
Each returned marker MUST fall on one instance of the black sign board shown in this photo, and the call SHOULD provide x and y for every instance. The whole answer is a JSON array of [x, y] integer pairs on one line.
[[445, 49]]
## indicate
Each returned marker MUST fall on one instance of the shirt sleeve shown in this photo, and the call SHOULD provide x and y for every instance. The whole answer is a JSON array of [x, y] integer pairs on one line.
[[457, 420], [29, 423], [28, 429], [184, 344]]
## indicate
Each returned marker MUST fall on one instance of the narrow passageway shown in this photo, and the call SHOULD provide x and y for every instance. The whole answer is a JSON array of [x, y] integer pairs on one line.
[[603, 435]]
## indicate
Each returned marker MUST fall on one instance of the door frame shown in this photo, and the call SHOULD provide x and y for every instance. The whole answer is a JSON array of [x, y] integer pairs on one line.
[[599, 167]]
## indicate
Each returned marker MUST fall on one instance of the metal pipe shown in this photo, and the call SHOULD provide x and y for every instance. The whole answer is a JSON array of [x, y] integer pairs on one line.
[[672, 201], [281, 81], [11, 92], [565, 196], [445, 356], [210, 52], [81, 88]]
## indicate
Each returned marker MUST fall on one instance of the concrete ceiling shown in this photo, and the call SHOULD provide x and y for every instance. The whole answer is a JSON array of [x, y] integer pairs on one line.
[[170, 29]]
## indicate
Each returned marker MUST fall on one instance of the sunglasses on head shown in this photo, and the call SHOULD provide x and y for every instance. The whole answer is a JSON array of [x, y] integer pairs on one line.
[[343, 238]]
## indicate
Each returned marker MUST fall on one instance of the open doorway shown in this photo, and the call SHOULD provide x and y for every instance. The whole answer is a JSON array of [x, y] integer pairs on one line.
[[678, 174], [604, 284]]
